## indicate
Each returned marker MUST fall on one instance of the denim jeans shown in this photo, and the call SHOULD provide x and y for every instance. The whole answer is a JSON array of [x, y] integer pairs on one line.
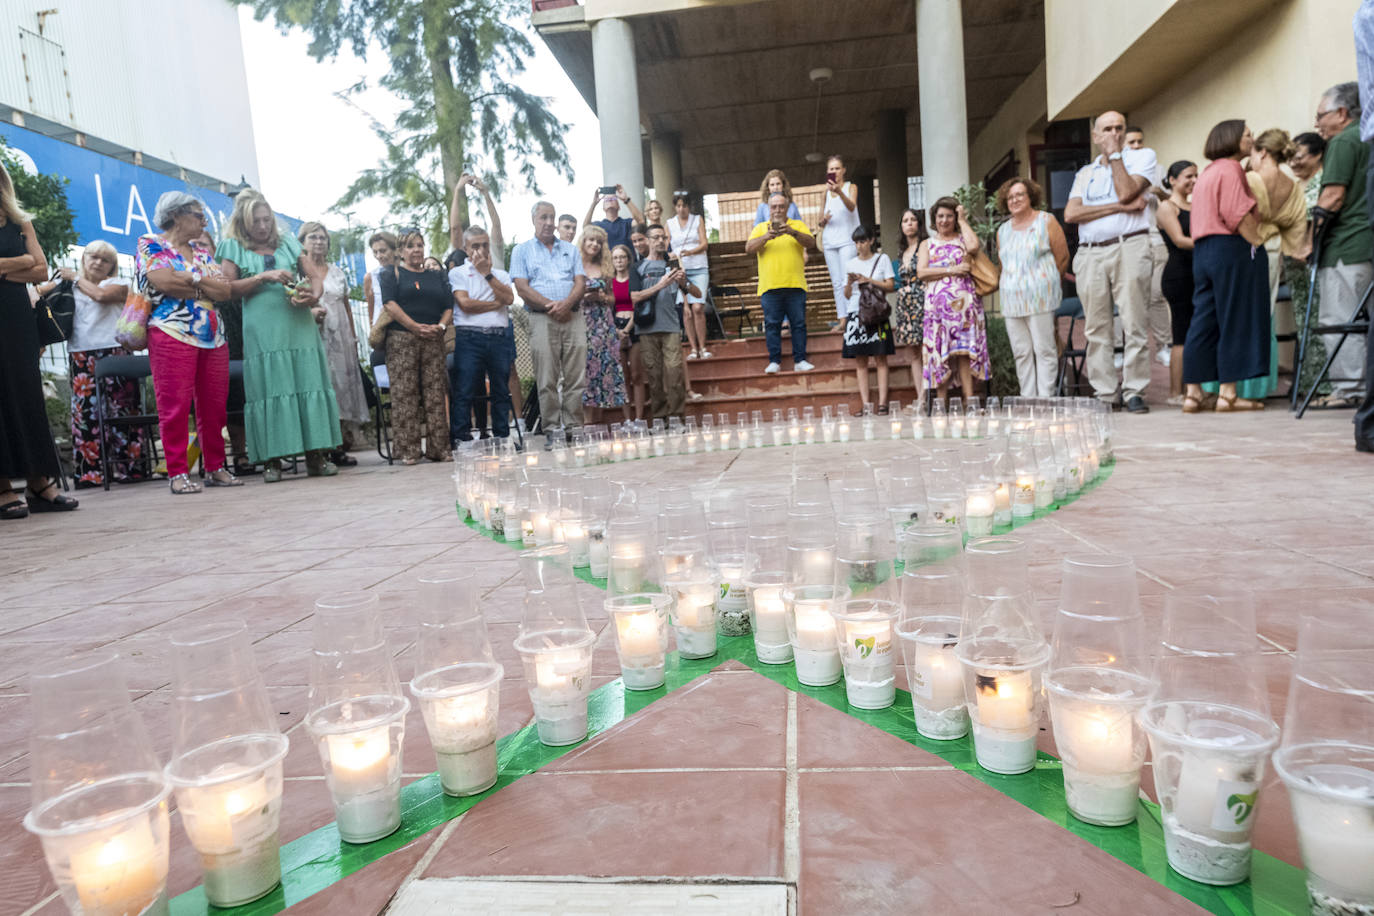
[[477, 356], [785, 303]]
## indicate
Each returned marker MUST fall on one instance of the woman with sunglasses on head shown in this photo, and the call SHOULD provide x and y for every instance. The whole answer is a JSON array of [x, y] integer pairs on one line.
[[186, 347], [420, 303], [290, 406]]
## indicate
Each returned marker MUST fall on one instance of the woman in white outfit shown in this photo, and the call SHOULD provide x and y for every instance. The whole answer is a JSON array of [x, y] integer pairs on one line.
[[839, 219], [687, 235], [1034, 257]]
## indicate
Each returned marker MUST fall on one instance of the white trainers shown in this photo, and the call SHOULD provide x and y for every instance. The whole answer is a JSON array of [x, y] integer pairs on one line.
[[705, 354], [772, 369], [692, 355], [1164, 357], [802, 366]]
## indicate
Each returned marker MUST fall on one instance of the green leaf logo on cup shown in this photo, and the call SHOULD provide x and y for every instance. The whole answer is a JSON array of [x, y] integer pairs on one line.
[[1241, 806], [865, 646]]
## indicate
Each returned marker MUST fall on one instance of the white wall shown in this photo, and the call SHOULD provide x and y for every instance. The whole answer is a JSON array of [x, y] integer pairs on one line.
[[165, 77]]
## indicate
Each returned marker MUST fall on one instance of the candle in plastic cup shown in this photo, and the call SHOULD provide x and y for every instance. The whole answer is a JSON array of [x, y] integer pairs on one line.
[[980, 507], [641, 637], [934, 676], [694, 616], [768, 618], [460, 704], [558, 670], [864, 634], [359, 742], [811, 630]]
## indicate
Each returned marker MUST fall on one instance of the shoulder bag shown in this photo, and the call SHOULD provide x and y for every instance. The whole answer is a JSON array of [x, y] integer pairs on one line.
[[986, 275], [874, 309], [61, 303], [376, 337], [48, 331]]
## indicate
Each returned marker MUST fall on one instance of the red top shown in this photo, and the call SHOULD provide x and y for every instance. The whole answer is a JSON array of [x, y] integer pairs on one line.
[[1221, 198], [623, 304]]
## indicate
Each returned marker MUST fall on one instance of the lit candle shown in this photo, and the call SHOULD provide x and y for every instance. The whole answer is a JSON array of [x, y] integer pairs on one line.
[[579, 456], [818, 565], [815, 627], [937, 689], [979, 510], [365, 780], [575, 536], [558, 686], [813, 636], [694, 618], [638, 634], [1004, 721], [603, 450], [1336, 834], [809, 433], [598, 554], [827, 431], [119, 874], [692, 439], [660, 446], [1023, 504], [1097, 743], [793, 433], [232, 823], [462, 730], [869, 669], [531, 459], [627, 567], [768, 619], [844, 430], [543, 528], [724, 438], [896, 427], [617, 450], [641, 643], [938, 425], [1003, 496], [956, 427]]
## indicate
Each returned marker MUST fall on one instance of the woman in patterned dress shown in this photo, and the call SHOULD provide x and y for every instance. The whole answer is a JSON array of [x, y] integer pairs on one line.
[[908, 315], [340, 339], [605, 378], [99, 292], [954, 327]]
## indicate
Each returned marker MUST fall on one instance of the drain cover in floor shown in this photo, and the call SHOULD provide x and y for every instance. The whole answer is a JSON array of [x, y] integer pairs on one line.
[[456, 896]]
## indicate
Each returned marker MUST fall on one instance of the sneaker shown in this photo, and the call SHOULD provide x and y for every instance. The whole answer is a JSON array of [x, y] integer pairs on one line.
[[1164, 358], [692, 355], [705, 354], [772, 369], [802, 366]]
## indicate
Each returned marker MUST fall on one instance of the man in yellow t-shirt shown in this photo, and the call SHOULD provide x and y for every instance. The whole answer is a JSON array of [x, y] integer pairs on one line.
[[781, 246]]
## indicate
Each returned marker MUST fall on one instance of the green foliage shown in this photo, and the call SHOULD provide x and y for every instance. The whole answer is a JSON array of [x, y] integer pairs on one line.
[[453, 63], [982, 215], [45, 198]]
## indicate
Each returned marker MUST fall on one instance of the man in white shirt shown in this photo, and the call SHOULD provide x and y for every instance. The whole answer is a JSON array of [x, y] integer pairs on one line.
[[1161, 326], [1113, 263], [481, 349]]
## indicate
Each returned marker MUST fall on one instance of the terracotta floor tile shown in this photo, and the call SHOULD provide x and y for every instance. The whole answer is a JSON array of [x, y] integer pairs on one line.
[[368, 890], [719, 720], [827, 737], [24, 876], [623, 824], [943, 842]]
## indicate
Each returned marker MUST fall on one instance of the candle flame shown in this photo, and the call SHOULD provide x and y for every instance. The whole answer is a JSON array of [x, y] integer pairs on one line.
[[236, 803], [112, 852], [357, 752]]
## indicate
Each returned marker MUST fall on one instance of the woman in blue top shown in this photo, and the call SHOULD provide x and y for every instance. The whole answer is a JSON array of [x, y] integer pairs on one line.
[[775, 182]]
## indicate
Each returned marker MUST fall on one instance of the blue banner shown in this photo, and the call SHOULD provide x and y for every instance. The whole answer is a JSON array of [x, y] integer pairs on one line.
[[113, 200]]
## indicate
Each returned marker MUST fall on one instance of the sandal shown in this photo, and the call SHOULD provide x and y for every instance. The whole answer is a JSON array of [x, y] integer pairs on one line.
[[222, 478], [1192, 404], [14, 509], [182, 485], [1236, 404], [58, 503], [243, 467], [343, 459], [409, 462]]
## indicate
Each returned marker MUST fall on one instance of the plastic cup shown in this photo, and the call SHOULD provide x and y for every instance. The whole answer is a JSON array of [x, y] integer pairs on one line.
[[864, 634], [694, 615], [811, 630], [452, 630], [461, 704], [640, 624], [558, 667], [359, 741], [768, 617], [934, 676]]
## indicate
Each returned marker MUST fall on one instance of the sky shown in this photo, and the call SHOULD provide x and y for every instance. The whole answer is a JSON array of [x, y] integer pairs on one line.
[[311, 144]]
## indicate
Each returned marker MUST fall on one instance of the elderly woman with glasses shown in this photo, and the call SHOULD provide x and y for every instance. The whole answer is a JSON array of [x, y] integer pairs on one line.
[[420, 303], [186, 347], [289, 403]]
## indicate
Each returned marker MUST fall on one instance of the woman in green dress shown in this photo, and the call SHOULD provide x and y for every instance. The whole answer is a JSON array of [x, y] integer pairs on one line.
[[289, 399]]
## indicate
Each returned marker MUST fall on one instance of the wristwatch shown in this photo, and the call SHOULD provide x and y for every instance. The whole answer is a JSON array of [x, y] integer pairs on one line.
[[489, 277], [443, 327]]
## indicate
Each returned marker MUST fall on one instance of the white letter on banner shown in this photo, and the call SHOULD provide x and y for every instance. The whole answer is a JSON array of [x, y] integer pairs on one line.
[[142, 216], [100, 205]]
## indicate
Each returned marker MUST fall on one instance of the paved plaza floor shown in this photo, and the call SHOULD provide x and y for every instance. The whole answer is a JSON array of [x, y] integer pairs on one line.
[[730, 780]]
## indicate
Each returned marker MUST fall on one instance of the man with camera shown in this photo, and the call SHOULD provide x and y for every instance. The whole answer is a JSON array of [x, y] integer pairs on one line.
[[781, 245], [660, 332], [617, 227], [482, 355]]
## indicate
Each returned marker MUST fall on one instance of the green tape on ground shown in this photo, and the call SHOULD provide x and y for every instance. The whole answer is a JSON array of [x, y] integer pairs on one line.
[[318, 859]]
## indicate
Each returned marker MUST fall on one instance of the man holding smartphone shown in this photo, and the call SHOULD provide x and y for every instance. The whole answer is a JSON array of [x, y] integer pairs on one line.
[[617, 227], [781, 245]]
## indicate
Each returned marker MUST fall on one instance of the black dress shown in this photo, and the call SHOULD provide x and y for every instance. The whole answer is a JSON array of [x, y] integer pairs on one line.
[[1176, 280], [26, 445]]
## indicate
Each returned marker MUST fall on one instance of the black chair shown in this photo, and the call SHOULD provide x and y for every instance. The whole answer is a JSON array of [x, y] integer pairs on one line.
[[740, 312], [381, 407], [126, 367], [1071, 358]]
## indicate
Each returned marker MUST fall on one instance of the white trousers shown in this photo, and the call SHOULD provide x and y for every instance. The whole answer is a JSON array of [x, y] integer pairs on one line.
[[835, 261], [1037, 359]]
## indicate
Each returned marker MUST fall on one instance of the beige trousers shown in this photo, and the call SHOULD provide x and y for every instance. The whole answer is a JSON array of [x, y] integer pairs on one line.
[[1116, 275], [559, 351]]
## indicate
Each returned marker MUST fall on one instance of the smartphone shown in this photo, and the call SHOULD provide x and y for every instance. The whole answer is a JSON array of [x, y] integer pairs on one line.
[[779, 226], [606, 190], [832, 176]]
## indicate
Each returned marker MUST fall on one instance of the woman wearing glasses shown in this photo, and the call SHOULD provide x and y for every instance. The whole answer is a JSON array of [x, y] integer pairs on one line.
[[186, 348], [289, 397]]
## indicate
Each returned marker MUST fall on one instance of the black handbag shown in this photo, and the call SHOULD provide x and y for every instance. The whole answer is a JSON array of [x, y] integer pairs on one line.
[[48, 331], [874, 309], [61, 306]]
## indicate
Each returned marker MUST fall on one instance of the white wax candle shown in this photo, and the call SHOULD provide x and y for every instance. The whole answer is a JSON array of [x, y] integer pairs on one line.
[[617, 450], [818, 564], [558, 674], [459, 721], [979, 510], [638, 634], [956, 427], [543, 527], [603, 449], [580, 456], [809, 433], [815, 627], [724, 439], [1336, 835], [1002, 495], [793, 434], [660, 446], [360, 762], [1005, 700], [1101, 739], [770, 615], [120, 874], [935, 678], [938, 426], [844, 430], [1216, 794], [692, 439], [598, 555], [694, 611], [757, 436], [868, 429], [827, 431], [627, 568]]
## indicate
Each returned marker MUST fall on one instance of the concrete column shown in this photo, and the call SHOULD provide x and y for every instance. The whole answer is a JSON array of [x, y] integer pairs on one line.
[[617, 105], [665, 152], [863, 198], [944, 112], [891, 131]]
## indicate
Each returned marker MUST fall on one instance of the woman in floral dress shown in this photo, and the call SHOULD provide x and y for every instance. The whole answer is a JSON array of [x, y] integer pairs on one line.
[[605, 378], [908, 316], [954, 328]]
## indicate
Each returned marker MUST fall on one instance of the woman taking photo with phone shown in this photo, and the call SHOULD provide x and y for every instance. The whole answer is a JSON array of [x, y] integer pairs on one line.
[[605, 379], [867, 270], [839, 219]]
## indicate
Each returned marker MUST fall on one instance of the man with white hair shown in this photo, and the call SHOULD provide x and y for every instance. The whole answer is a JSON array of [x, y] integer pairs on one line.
[[617, 227], [1113, 264], [548, 278], [1347, 255]]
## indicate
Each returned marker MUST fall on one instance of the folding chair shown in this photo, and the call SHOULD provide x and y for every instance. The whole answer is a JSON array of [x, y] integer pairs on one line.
[[127, 367], [1071, 358], [381, 407], [1357, 323], [740, 313]]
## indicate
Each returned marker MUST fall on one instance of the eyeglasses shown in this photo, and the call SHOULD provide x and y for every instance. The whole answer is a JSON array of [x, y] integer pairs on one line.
[[1321, 114]]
